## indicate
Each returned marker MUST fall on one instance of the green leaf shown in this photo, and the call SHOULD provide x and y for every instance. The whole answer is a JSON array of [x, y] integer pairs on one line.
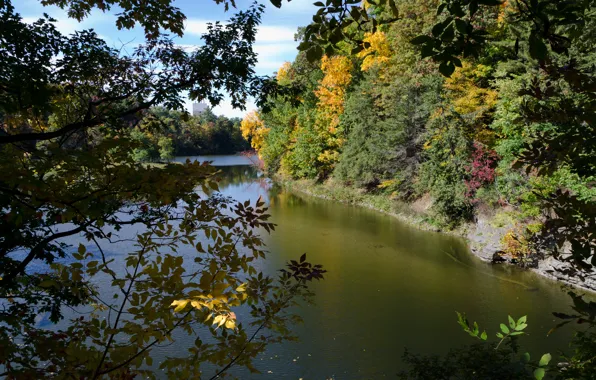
[[427, 51], [448, 34], [521, 327], [419, 40], [438, 29], [522, 320], [504, 328], [539, 373], [538, 48], [314, 53], [483, 336], [461, 26], [544, 360], [511, 322], [526, 357], [446, 68]]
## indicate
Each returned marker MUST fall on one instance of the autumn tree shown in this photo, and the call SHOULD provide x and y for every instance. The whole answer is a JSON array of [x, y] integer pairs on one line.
[[184, 256], [252, 128]]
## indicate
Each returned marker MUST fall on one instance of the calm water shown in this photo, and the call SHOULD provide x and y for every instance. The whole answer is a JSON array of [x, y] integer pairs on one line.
[[388, 287]]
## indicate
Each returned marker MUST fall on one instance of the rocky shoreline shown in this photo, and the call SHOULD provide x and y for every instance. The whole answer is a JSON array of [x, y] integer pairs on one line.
[[483, 237]]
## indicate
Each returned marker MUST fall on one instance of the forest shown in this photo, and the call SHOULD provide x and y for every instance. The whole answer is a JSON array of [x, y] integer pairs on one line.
[[164, 134], [480, 106], [507, 128]]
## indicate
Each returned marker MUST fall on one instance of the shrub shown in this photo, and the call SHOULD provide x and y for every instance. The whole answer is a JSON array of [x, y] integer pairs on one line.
[[482, 170]]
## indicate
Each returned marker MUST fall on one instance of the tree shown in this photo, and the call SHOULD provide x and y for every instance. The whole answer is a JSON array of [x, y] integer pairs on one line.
[[69, 108], [252, 128]]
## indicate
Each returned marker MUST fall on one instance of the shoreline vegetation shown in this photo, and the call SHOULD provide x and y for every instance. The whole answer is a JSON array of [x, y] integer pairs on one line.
[[483, 236], [497, 145]]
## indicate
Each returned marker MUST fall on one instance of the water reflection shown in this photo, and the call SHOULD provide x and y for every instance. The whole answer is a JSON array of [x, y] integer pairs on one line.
[[388, 287]]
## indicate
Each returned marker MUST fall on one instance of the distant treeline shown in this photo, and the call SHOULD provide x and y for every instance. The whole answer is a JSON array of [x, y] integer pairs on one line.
[[165, 133]]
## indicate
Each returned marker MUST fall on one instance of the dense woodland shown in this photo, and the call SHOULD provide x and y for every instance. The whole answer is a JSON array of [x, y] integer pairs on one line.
[[478, 104], [510, 126], [164, 134]]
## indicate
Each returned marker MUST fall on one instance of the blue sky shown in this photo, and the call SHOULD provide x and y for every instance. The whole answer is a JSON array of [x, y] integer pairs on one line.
[[274, 44]]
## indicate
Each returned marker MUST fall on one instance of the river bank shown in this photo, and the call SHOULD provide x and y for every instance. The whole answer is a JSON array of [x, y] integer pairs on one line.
[[484, 235]]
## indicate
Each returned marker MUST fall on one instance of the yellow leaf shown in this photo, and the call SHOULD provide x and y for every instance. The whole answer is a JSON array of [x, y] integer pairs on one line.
[[218, 320], [180, 305]]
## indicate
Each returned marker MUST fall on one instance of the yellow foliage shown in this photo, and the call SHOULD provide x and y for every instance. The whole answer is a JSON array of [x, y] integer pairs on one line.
[[253, 128], [468, 98], [378, 53], [332, 88], [516, 243], [283, 73], [387, 183]]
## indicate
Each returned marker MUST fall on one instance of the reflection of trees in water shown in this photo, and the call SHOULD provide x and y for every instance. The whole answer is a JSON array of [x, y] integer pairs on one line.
[[242, 175], [250, 177], [284, 199]]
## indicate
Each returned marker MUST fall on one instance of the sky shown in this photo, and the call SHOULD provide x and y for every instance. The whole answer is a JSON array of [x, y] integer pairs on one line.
[[274, 42]]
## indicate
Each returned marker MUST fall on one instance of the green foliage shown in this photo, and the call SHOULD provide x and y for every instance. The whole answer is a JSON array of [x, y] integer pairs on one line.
[[308, 144], [447, 153], [385, 121], [491, 360], [166, 148], [75, 117], [174, 133]]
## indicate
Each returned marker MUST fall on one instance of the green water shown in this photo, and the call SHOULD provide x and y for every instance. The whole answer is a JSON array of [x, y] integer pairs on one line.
[[388, 287]]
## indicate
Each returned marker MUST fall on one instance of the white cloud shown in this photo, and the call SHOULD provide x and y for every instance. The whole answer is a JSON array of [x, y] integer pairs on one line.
[[189, 48], [197, 27], [225, 108], [270, 56], [265, 33], [296, 6], [275, 34], [274, 44]]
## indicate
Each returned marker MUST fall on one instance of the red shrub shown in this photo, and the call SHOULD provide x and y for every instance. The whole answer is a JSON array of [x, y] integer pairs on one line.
[[482, 170]]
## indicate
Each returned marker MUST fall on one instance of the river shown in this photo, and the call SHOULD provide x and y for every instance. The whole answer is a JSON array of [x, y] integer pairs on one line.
[[389, 286]]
